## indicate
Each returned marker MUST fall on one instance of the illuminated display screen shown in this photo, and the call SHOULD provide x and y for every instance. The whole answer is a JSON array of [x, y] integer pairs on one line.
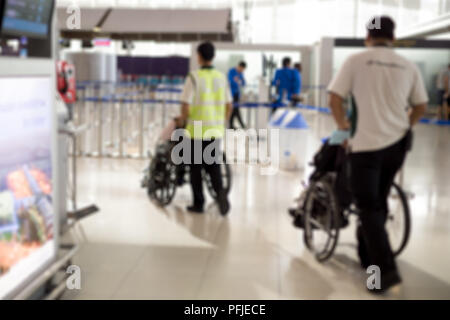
[[26, 210], [27, 17]]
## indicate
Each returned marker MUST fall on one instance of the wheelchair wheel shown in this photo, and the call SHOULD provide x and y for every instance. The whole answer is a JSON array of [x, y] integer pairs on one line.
[[162, 182], [398, 223], [225, 171], [322, 219]]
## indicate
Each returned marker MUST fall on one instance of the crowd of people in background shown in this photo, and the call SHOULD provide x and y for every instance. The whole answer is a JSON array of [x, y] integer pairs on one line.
[[287, 83]]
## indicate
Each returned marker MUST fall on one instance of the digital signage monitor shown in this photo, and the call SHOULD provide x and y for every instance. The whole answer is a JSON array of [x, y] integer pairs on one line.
[[31, 18]]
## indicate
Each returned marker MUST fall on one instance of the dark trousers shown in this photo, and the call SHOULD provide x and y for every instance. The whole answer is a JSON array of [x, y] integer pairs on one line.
[[236, 112], [372, 175], [212, 169]]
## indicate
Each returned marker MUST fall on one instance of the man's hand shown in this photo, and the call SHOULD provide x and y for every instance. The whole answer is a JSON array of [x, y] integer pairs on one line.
[[180, 123], [181, 119]]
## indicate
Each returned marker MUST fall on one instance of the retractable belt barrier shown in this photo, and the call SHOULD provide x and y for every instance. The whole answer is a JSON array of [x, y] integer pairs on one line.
[[122, 120], [125, 119]]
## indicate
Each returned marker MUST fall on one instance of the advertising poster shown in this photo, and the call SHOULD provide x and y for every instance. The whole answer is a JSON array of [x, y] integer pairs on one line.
[[26, 210]]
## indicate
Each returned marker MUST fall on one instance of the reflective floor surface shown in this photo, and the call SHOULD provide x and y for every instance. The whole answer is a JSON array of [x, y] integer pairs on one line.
[[135, 250]]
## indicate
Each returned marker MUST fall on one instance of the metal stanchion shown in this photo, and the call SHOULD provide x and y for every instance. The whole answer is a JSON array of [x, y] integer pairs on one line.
[[121, 127], [79, 118], [164, 111], [141, 120], [99, 128]]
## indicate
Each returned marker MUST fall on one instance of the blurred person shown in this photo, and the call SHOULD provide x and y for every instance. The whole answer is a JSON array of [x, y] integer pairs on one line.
[[237, 81], [286, 81], [206, 106], [382, 84], [443, 86], [297, 84]]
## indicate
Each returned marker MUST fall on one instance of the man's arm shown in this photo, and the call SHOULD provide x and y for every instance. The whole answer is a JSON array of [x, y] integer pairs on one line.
[[184, 114], [417, 113], [276, 78], [228, 109], [299, 83], [243, 83], [338, 111], [230, 76]]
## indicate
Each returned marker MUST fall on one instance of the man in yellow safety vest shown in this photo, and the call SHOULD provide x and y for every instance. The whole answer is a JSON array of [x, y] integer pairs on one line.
[[206, 106]]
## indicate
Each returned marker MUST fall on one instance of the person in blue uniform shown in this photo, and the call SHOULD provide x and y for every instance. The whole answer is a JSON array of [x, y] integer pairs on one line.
[[237, 81], [297, 84], [287, 82]]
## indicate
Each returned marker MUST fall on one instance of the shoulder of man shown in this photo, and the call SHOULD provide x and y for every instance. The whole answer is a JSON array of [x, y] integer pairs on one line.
[[360, 56], [193, 76], [218, 73]]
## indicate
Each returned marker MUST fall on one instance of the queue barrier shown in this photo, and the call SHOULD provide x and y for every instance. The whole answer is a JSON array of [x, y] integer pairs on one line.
[[122, 120], [125, 120]]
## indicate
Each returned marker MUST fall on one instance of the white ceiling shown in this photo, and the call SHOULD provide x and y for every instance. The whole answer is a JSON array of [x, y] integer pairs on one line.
[[89, 17], [167, 21]]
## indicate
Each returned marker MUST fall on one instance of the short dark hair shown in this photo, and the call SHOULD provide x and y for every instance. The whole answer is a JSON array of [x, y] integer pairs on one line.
[[206, 50], [243, 64], [381, 27], [286, 61], [298, 66]]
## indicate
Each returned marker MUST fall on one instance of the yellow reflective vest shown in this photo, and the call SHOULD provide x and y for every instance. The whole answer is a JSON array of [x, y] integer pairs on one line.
[[207, 113]]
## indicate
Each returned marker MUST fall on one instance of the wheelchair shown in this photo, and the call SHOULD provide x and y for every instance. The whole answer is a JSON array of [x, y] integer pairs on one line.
[[162, 177], [323, 210]]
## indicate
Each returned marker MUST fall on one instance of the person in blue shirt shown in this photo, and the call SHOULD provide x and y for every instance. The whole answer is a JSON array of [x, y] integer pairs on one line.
[[237, 81], [297, 84], [287, 82]]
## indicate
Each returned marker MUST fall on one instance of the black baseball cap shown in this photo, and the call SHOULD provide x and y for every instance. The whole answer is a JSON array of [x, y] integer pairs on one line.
[[381, 27]]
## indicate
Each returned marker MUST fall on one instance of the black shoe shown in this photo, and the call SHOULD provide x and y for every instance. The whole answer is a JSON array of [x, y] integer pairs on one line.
[[224, 205], [195, 209], [299, 221], [343, 222], [180, 181], [293, 212], [387, 281]]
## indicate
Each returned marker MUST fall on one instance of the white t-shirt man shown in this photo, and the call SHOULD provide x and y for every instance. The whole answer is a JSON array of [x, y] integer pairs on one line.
[[383, 85]]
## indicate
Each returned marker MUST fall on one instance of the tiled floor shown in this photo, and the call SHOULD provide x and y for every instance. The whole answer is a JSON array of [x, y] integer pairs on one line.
[[135, 250]]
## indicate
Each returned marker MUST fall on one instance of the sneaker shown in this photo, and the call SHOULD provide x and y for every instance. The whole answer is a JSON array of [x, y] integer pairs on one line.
[[195, 209], [224, 204]]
